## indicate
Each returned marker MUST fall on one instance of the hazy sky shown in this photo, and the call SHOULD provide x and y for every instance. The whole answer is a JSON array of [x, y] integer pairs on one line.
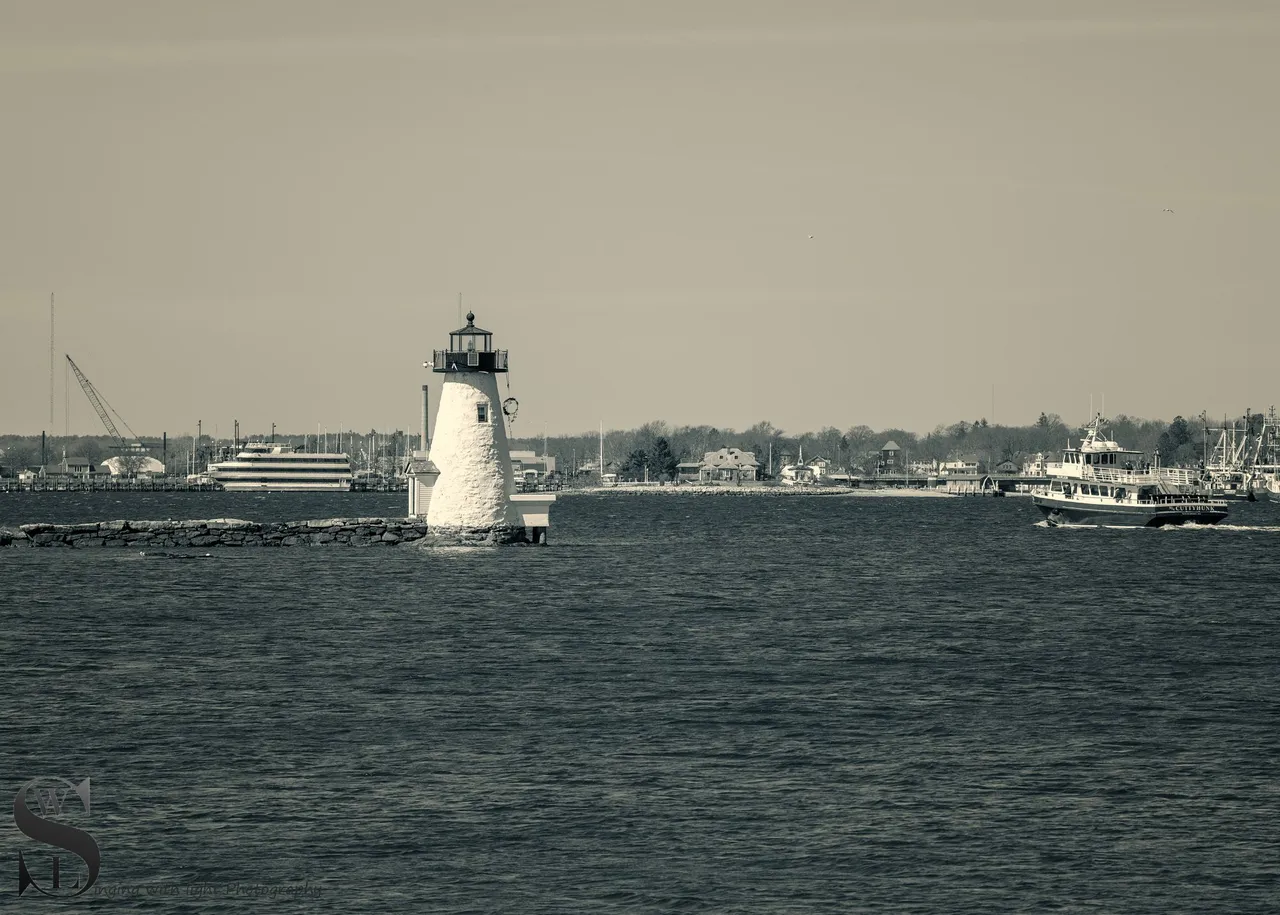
[[808, 212]]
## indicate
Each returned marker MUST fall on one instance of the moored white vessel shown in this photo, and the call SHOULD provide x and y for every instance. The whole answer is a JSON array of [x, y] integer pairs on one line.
[[1101, 483], [270, 467]]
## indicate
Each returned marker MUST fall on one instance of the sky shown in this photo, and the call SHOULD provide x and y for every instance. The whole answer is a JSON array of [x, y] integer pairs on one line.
[[704, 211]]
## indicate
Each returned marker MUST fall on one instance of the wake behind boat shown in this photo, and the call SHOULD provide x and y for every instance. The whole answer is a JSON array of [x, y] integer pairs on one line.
[[1102, 483], [269, 467]]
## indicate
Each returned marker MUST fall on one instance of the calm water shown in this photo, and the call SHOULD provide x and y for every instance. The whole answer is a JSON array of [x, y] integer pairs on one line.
[[682, 704]]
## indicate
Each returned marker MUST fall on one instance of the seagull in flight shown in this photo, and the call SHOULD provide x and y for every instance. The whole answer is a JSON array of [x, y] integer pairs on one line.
[[811, 236], [1166, 209]]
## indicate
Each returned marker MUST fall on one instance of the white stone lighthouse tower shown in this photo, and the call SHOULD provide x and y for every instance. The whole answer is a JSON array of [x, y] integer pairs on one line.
[[471, 500]]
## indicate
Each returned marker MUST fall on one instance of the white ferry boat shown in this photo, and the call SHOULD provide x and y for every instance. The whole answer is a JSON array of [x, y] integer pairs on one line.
[[1102, 483], [268, 467]]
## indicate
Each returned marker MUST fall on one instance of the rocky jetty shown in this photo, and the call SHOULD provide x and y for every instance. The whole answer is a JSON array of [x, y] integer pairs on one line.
[[220, 532], [496, 535]]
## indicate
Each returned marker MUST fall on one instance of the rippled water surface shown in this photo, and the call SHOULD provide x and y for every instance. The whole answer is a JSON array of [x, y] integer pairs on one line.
[[683, 703]]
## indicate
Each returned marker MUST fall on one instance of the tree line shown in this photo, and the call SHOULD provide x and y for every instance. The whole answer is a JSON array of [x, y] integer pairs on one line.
[[656, 447]]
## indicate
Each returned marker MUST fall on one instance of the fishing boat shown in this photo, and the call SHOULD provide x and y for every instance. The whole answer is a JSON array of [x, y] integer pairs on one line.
[[1100, 482], [1243, 461], [1265, 482]]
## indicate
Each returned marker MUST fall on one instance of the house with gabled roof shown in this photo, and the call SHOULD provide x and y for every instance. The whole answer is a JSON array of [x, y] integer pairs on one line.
[[728, 465], [889, 460], [962, 465], [820, 466], [688, 471]]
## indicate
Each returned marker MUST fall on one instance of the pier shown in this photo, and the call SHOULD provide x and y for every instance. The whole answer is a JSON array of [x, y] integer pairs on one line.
[[959, 483]]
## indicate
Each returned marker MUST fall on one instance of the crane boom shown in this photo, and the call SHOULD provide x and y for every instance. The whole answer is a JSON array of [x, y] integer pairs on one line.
[[92, 393]]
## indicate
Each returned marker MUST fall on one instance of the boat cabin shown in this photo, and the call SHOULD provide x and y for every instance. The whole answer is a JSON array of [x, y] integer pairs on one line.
[[1118, 459], [1114, 492], [1096, 453]]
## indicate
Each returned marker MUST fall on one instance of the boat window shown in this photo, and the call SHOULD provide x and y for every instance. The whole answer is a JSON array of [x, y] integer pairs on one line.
[[482, 412]]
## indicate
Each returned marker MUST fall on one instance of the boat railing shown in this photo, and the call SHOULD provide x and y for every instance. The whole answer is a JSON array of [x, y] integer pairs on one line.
[[1183, 500], [1178, 476], [1124, 477]]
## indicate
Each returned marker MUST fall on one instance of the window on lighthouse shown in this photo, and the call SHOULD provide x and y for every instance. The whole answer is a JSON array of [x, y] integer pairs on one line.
[[482, 412]]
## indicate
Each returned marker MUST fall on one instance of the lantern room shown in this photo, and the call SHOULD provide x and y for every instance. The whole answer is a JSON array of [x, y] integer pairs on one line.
[[470, 350]]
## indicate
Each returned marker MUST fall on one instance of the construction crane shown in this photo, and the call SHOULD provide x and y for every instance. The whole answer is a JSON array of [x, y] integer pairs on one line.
[[100, 404]]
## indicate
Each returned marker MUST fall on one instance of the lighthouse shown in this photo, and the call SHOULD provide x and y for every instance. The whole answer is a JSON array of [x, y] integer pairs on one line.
[[471, 499]]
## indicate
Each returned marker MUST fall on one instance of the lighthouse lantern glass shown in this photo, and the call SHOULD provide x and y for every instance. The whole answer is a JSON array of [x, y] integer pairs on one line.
[[470, 341]]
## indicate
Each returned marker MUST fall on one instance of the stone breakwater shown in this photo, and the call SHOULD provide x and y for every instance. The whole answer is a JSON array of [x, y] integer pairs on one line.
[[221, 532]]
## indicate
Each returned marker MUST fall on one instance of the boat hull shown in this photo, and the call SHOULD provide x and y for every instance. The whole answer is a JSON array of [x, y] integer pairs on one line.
[[1063, 511], [233, 486]]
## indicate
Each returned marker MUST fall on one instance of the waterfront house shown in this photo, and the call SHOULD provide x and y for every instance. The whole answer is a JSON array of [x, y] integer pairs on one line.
[[889, 457], [965, 465], [74, 469], [728, 465], [1006, 467], [531, 466], [688, 471], [796, 473], [820, 467], [81, 468]]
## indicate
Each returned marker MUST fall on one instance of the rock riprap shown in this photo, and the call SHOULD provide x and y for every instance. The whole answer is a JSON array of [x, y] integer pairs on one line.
[[221, 532]]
